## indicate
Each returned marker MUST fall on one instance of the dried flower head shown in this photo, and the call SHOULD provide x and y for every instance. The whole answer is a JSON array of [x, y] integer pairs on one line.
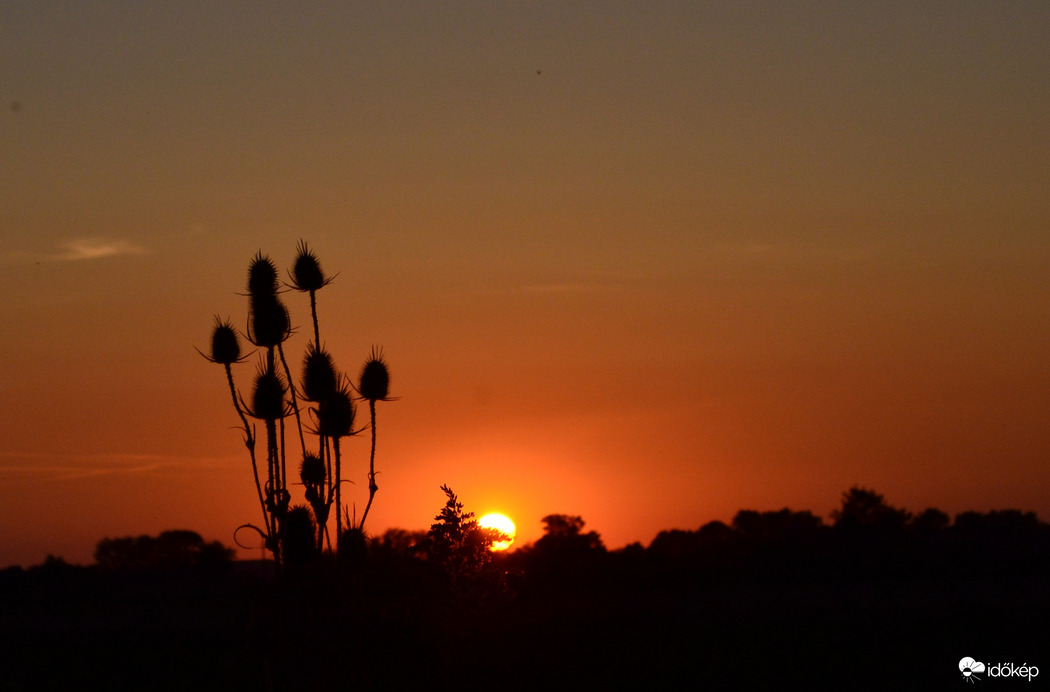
[[312, 470], [225, 347], [335, 415], [374, 383], [319, 377], [268, 396], [262, 276], [307, 274], [268, 321]]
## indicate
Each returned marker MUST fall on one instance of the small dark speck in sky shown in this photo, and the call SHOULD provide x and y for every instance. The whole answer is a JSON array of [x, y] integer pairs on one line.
[[16, 106]]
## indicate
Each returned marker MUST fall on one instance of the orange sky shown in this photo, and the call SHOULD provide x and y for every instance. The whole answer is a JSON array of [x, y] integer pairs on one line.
[[646, 263]]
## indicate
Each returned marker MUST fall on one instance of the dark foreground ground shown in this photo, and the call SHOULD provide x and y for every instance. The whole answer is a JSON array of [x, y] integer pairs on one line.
[[231, 627]]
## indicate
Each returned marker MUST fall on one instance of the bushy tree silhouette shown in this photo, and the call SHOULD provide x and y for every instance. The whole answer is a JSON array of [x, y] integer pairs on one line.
[[867, 509], [564, 532], [457, 543], [566, 556], [930, 521], [169, 550]]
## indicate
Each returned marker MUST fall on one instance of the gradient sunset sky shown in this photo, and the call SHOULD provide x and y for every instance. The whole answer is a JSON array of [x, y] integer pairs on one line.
[[649, 263]]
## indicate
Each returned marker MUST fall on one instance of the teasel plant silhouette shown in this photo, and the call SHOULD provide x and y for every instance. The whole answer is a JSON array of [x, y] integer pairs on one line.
[[335, 420], [225, 351], [308, 277], [268, 404], [328, 396], [373, 385]]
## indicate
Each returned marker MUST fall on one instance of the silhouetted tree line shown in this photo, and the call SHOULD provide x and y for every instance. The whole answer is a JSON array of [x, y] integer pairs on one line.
[[413, 602], [169, 550], [867, 538]]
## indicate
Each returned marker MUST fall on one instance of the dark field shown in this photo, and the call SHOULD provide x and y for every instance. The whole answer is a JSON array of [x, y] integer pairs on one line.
[[867, 617]]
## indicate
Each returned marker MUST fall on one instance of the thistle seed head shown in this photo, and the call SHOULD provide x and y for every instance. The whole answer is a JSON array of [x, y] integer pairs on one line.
[[352, 547], [312, 470], [268, 396], [307, 274], [262, 276], [319, 378], [268, 321], [374, 383], [335, 415], [225, 348]]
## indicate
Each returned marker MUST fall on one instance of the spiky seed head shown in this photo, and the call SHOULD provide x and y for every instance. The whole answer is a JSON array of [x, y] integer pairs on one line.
[[335, 415], [352, 547], [268, 396], [225, 348], [374, 383], [312, 470], [319, 377], [307, 274], [262, 276], [268, 321]]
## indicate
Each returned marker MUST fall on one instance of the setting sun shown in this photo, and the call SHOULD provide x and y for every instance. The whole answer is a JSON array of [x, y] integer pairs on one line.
[[502, 524]]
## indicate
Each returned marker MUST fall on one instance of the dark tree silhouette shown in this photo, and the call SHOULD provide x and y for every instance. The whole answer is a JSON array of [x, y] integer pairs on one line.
[[564, 533], [457, 543], [400, 541], [566, 556], [169, 550], [930, 521], [776, 527], [863, 508]]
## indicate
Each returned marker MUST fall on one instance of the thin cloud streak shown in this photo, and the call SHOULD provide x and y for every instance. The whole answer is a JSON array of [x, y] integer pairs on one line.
[[57, 467], [97, 248]]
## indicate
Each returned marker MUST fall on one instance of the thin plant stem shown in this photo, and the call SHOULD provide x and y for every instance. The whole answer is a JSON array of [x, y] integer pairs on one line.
[[295, 401], [249, 442], [273, 463], [313, 313], [283, 458], [372, 487], [327, 446], [338, 495]]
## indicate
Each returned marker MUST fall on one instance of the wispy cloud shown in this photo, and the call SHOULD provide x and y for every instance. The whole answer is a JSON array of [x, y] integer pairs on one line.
[[97, 248], [46, 467]]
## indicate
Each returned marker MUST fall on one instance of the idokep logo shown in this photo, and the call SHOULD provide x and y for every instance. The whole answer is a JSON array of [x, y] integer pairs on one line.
[[970, 669]]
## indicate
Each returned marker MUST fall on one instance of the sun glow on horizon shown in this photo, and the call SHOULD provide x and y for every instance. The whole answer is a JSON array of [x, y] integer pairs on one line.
[[500, 523]]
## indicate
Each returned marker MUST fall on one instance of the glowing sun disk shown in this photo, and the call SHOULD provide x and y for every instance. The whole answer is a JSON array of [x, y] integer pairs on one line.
[[502, 524]]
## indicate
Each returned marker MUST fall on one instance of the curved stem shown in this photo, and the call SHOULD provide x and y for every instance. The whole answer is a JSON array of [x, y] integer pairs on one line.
[[249, 442], [326, 448]]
